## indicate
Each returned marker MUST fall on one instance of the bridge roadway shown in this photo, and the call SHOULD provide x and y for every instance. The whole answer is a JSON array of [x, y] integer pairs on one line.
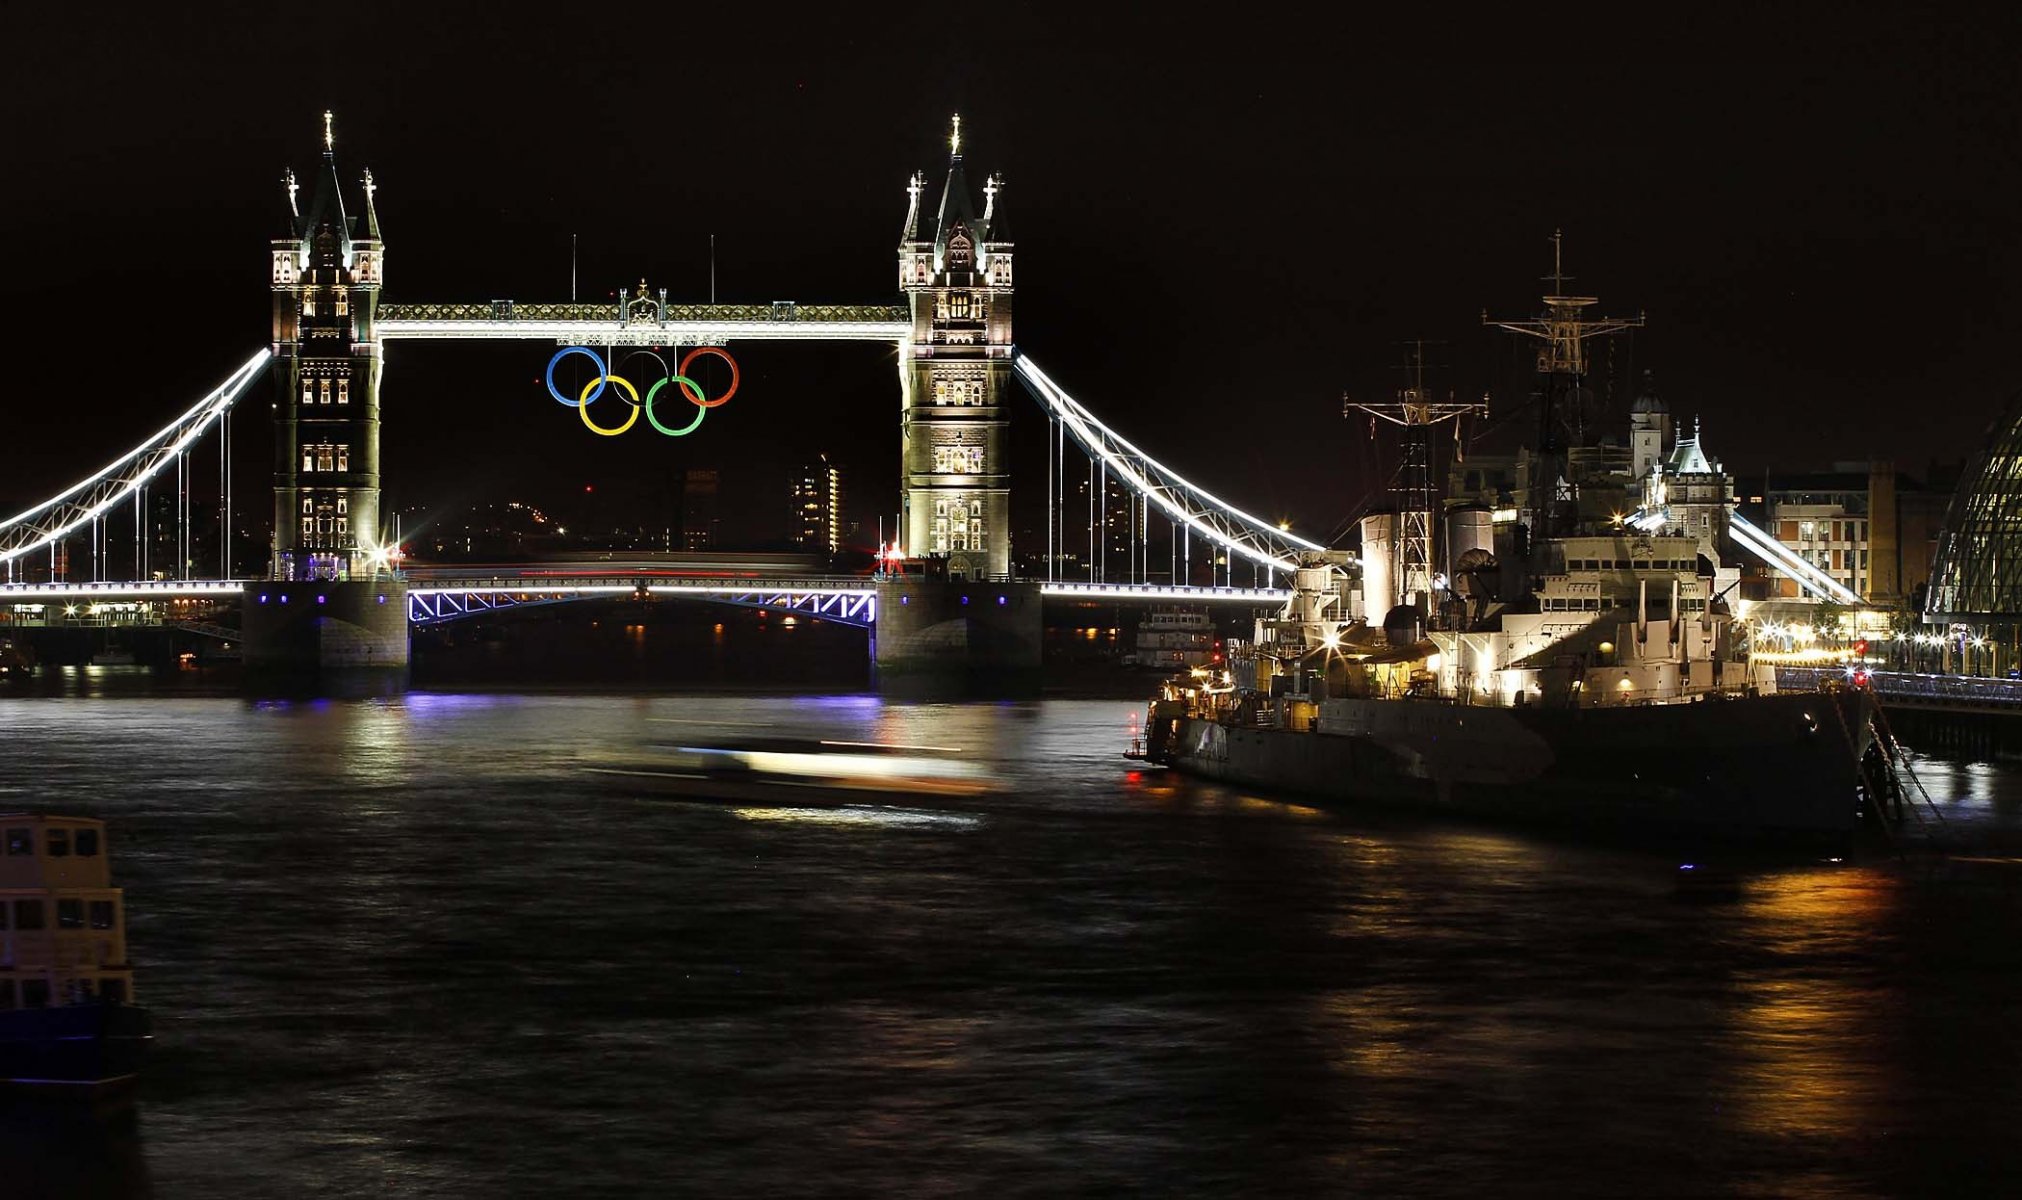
[[440, 594]]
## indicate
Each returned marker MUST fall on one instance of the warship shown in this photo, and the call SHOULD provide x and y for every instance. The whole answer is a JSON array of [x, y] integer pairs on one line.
[[1553, 642]]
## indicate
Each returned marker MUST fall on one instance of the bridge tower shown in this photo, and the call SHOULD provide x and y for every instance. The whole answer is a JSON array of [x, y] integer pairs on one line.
[[956, 274], [331, 609], [327, 270]]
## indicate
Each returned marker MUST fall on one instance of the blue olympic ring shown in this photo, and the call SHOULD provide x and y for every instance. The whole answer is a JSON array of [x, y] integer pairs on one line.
[[588, 353]]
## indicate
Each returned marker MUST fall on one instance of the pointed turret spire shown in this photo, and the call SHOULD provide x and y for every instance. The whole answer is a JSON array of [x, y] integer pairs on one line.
[[371, 213], [326, 206], [994, 229], [291, 222], [956, 214], [914, 186]]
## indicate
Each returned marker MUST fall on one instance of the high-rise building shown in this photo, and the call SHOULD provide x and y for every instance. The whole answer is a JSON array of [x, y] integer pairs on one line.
[[956, 274], [326, 271], [698, 509], [817, 506]]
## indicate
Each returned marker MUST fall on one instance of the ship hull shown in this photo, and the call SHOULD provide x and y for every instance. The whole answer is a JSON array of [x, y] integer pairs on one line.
[[1758, 767], [84, 1047]]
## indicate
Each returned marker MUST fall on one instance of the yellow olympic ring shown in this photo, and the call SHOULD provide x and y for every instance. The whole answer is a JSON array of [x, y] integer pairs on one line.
[[583, 405]]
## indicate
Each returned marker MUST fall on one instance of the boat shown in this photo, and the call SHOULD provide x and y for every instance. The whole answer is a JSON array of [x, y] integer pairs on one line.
[[1173, 639], [1567, 657], [17, 660], [68, 1020], [800, 772]]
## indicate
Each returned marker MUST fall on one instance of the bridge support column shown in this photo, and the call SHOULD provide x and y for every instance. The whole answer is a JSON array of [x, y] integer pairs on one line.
[[943, 637], [327, 635]]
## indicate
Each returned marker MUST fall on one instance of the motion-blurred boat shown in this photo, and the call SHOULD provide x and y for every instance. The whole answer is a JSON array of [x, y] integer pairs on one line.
[[802, 772]]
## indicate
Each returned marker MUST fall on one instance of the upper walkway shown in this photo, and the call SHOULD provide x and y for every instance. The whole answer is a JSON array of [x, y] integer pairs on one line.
[[444, 594]]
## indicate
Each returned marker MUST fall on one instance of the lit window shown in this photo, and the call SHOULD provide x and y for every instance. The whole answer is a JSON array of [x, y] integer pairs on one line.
[[343, 305], [308, 304], [308, 458], [343, 458], [343, 391], [343, 504], [343, 526], [308, 391], [323, 392]]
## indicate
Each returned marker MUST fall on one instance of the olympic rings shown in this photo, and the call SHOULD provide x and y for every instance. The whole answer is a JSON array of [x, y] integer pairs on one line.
[[624, 385], [606, 378]]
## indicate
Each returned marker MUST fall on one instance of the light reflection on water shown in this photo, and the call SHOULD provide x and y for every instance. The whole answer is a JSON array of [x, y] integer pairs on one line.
[[409, 944]]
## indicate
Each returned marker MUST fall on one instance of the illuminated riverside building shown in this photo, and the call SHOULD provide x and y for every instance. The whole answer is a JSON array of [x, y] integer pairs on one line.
[[817, 506], [956, 274], [326, 269], [1869, 526]]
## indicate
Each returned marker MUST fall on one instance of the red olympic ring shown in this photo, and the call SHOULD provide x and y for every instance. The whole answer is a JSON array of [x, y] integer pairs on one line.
[[694, 398]]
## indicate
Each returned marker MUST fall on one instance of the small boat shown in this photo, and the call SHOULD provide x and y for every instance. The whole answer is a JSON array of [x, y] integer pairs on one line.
[[17, 660], [67, 1016], [802, 772]]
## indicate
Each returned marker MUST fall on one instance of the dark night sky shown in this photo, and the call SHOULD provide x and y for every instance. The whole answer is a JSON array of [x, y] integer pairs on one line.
[[1222, 224]]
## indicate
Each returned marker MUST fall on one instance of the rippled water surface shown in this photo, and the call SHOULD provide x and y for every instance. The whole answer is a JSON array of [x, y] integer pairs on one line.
[[415, 947]]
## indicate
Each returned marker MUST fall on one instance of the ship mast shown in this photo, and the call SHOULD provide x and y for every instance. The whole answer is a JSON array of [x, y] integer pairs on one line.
[[1564, 329], [1416, 412]]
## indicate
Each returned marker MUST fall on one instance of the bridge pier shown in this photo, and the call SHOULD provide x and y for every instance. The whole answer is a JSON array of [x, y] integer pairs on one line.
[[327, 634], [955, 638]]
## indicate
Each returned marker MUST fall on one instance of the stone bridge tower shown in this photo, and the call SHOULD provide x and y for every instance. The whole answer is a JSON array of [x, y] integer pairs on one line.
[[326, 273], [956, 273]]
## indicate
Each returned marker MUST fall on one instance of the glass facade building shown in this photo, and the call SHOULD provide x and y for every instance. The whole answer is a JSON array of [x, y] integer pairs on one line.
[[1977, 577]]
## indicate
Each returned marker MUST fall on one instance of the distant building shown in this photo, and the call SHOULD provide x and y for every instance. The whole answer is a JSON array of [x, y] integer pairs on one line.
[[817, 506], [1869, 526], [699, 512]]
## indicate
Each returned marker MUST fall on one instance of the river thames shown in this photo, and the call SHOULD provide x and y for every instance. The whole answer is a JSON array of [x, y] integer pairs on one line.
[[416, 946]]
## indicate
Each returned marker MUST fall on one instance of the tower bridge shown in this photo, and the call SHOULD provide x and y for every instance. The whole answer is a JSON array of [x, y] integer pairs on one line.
[[329, 327]]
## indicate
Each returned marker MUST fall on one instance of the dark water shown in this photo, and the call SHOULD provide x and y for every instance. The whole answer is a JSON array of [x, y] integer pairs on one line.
[[411, 947]]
